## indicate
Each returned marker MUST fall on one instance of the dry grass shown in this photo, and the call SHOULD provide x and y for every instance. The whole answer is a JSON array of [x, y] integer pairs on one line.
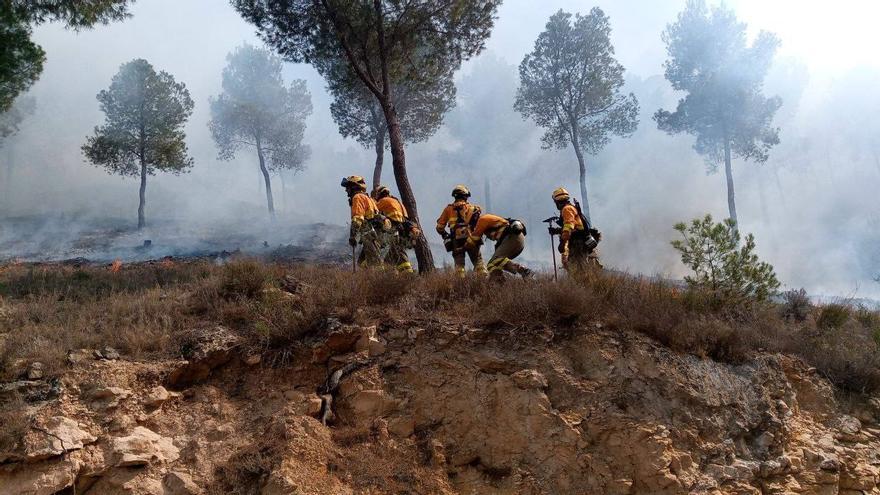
[[148, 310]]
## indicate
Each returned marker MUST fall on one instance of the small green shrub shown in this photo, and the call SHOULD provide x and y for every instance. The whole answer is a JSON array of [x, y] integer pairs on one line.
[[833, 316], [726, 269]]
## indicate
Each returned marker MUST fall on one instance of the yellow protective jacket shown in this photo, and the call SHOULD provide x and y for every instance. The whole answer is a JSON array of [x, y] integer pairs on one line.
[[489, 225], [362, 208], [392, 208], [571, 221], [457, 216]]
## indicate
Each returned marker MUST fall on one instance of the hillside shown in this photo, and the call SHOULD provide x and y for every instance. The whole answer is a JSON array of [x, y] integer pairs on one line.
[[189, 377]]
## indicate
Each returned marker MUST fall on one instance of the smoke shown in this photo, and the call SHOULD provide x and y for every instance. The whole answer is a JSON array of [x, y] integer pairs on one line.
[[813, 206]]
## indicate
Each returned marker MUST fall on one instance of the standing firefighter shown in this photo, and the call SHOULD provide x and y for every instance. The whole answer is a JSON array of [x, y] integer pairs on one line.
[[365, 220], [403, 231], [457, 216], [510, 240], [577, 240]]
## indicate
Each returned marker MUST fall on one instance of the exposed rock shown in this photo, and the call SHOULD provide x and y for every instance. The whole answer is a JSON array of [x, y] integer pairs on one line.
[[401, 427], [54, 437], [527, 379], [35, 371], [156, 396], [252, 359], [370, 403], [291, 284], [44, 478], [78, 356], [212, 349], [107, 397], [341, 340], [180, 483], [141, 447], [107, 353], [30, 390]]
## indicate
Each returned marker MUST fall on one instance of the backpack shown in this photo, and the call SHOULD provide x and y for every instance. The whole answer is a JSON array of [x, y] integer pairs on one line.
[[593, 236]]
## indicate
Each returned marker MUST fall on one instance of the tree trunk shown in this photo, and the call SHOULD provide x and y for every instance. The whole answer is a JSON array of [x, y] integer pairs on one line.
[[585, 200], [143, 192], [731, 195], [380, 158], [283, 192], [266, 180], [398, 161]]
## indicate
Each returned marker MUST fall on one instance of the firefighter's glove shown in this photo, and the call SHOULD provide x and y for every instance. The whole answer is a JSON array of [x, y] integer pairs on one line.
[[352, 241], [561, 247], [555, 230]]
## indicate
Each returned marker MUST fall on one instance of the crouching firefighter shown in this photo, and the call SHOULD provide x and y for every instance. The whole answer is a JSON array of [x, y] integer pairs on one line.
[[403, 232], [578, 241], [510, 240], [366, 221], [457, 216]]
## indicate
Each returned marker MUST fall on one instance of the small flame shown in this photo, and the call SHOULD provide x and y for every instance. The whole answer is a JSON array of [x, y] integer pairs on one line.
[[116, 266]]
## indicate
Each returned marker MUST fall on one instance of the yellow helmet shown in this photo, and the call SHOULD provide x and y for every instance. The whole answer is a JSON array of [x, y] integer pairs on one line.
[[560, 194], [354, 182], [461, 191], [382, 191]]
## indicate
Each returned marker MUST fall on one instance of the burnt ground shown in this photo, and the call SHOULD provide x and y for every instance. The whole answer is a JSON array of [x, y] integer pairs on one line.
[[75, 241]]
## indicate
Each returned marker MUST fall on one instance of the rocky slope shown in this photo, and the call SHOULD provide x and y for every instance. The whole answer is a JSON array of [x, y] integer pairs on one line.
[[431, 407]]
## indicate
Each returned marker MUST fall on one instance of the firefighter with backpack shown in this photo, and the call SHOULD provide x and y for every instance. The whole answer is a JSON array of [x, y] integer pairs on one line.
[[578, 241], [403, 232], [510, 240], [366, 221], [457, 217]]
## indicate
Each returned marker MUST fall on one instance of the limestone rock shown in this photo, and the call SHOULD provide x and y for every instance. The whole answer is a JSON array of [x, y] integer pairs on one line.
[[156, 396], [212, 349], [180, 483], [58, 435], [78, 356], [529, 379], [44, 478], [107, 397], [141, 447]]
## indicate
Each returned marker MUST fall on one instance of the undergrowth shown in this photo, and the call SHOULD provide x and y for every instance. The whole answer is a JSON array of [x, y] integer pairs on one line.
[[149, 310]]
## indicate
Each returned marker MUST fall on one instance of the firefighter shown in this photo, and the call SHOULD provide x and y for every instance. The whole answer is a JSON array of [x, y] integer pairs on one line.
[[510, 240], [366, 221], [457, 215], [577, 241], [403, 232]]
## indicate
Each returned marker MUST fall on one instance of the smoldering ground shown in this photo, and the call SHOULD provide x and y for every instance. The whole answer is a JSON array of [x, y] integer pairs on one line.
[[812, 206]]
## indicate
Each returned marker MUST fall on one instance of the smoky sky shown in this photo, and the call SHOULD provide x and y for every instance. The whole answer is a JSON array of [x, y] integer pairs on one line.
[[813, 206]]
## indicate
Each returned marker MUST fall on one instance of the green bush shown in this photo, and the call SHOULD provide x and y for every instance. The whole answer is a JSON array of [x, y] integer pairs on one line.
[[725, 268], [833, 316]]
